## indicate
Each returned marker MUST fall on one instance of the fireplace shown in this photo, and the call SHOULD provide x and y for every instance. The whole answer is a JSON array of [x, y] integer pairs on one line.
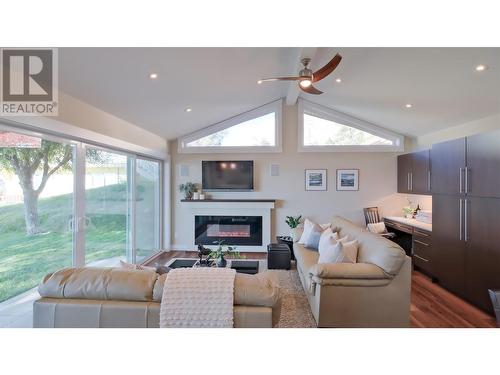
[[233, 230]]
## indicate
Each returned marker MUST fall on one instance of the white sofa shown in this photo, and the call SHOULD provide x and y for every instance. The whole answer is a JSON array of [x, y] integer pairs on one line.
[[375, 292], [120, 298]]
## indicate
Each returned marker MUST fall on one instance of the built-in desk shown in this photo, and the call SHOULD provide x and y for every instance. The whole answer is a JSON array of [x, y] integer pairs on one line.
[[416, 238], [409, 222]]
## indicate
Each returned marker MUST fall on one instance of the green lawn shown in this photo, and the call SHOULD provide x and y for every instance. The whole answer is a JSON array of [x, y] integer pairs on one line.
[[24, 260]]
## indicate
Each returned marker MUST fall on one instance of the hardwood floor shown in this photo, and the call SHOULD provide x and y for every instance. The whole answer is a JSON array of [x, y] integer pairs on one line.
[[435, 307], [431, 305]]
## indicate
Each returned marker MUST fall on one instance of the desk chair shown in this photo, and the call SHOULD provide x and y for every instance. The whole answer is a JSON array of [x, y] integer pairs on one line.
[[372, 217]]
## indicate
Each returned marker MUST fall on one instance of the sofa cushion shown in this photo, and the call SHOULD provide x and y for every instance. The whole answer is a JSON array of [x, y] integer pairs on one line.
[[99, 284], [373, 248], [256, 290], [347, 271], [305, 258], [249, 290]]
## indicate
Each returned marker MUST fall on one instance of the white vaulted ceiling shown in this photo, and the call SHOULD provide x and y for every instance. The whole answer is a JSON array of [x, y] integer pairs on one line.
[[217, 83]]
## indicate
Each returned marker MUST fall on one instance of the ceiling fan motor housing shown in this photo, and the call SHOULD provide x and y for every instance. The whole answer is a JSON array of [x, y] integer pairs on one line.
[[306, 73]]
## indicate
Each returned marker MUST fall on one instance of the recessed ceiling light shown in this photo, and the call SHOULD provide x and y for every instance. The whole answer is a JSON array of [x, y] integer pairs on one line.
[[338, 80], [481, 67], [188, 109], [408, 105], [259, 82], [153, 75]]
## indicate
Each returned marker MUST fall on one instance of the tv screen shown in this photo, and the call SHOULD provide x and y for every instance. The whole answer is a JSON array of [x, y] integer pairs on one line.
[[227, 175]]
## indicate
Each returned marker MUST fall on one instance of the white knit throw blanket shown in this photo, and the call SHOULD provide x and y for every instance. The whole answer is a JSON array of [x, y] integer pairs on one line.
[[198, 298]]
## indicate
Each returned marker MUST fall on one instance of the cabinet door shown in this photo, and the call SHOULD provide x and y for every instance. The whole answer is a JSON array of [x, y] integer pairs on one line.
[[447, 241], [483, 165], [419, 182], [404, 169], [447, 167], [482, 251]]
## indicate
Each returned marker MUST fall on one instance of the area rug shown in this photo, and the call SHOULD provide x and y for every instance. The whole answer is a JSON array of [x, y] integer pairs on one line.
[[295, 310]]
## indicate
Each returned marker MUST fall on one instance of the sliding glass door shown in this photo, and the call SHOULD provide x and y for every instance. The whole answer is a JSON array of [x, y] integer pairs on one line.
[[36, 209], [65, 203], [147, 208], [107, 207]]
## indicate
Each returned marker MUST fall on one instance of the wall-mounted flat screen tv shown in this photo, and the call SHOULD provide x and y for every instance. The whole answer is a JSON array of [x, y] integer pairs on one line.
[[231, 175]]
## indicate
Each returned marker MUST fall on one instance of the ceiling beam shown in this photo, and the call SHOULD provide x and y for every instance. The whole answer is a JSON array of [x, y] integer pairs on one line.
[[293, 87]]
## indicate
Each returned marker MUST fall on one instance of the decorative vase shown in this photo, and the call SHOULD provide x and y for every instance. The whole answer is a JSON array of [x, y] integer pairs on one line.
[[196, 195], [295, 233], [202, 196], [221, 262]]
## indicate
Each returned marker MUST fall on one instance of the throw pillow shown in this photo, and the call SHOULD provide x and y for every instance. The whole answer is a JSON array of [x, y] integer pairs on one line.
[[377, 228], [325, 237], [308, 227], [312, 242], [339, 252], [326, 242]]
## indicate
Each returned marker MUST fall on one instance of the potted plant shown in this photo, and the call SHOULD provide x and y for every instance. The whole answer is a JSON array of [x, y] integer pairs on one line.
[[407, 210], [188, 189], [293, 222], [222, 251]]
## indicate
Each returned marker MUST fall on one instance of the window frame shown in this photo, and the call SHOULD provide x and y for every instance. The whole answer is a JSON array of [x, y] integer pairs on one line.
[[317, 110], [79, 173], [273, 107]]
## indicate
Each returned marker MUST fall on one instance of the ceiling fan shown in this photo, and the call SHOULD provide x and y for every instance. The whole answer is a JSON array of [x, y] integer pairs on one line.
[[307, 77]]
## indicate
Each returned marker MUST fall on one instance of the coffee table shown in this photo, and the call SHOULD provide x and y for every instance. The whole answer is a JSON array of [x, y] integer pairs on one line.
[[241, 266]]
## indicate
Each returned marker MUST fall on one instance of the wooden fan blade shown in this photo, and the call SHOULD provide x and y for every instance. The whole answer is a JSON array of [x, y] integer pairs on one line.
[[327, 69], [311, 90], [280, 79]]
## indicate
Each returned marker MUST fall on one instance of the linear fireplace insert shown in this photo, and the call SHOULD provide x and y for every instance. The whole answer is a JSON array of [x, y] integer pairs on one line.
[[233, 230]]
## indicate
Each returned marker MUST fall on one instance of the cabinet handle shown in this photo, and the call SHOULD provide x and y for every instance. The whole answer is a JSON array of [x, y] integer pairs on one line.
[[466, 236], [418, 257], [408, 181], [429, 180], [411, 180], [466, 179], [460, 183], [421, 243], [460, 219]]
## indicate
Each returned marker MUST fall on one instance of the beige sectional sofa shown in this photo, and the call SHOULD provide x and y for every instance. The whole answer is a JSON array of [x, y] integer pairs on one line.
[[375, 292], [120, 298]]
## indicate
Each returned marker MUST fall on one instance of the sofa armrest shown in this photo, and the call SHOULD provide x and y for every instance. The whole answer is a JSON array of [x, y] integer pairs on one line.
[[347, 271]]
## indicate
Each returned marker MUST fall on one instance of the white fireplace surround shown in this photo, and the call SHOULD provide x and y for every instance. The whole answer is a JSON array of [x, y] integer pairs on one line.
[[233, 208]]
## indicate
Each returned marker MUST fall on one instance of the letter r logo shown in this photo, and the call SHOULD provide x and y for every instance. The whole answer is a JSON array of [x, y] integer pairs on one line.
[[27, 75]]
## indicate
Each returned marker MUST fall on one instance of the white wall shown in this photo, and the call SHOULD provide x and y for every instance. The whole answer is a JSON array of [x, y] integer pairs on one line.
[[79, 119], [377, 183], [463, 130]]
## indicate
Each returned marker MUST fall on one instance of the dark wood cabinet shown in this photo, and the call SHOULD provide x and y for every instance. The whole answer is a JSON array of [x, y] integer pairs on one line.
[[482, 254], [465, 182], [448, 167], [414, 173], [482, 174], [404, 169], [420, 177], [447, 241], [422, 251]]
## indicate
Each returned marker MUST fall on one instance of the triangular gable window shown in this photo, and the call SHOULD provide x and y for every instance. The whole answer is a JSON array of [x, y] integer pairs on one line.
[[323, 129], [321, 132], [256, 130]]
